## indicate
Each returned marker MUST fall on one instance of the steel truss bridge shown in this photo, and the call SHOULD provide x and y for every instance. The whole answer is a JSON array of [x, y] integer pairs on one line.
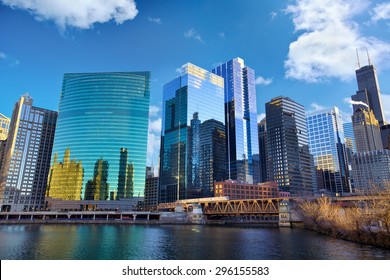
[[213, 208]]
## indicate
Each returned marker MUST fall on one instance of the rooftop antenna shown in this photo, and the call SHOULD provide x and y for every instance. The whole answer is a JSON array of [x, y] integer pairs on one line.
[[358, 61], [368, 57]]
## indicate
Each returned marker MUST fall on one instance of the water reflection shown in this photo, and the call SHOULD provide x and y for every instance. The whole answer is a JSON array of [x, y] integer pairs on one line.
[[93, 242]]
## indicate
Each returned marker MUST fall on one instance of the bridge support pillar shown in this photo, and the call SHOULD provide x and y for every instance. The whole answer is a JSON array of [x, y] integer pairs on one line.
[[284, 214]]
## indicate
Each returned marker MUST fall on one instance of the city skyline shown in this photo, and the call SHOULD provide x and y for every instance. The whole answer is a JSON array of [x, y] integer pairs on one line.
[[269, 36]]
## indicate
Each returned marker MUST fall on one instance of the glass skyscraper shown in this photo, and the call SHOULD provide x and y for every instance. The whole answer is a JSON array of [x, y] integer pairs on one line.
[[290, 162], [27, 157], [369, 92], [103, 129], [192, 151], [241, 120], [327, 145], [349, 136]]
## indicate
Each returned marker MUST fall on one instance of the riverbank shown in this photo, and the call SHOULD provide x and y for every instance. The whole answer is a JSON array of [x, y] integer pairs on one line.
[[364, 225]]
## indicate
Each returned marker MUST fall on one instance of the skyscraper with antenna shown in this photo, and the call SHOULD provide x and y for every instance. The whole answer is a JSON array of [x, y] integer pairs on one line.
[[368, 90]]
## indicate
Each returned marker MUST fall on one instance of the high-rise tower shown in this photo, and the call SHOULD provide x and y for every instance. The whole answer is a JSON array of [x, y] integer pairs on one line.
[[327, 145], [27, 157], [100, 114], [192, 132], [241, 119], [291, 164], [4, 127], [368, 92], [263, 151]]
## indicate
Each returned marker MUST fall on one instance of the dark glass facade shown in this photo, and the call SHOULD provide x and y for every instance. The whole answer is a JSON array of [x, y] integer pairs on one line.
[[101, 117], [192, 151], [263, 151], [291, 164], [369, 92], [241, 120], [27, 154]]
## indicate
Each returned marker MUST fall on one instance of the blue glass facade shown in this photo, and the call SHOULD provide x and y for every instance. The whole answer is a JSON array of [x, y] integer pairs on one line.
[[241, 120], [327, 145], [349, 136], [103, 118], [192, 135]]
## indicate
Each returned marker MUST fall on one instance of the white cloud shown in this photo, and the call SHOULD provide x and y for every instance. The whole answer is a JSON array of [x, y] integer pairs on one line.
[[327, 47], [75, 13], [263, 81], [9, 60], [154, 139], [348, 100], [273, 15], [192, 33], [155, 20], [381, 12], [221, 35], [153, 148], [386, 106], [153, 110], [314, 108], [260, 117], [155, 126]]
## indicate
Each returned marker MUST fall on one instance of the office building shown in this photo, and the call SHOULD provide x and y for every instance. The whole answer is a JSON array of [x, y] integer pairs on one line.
[[368, 93], [4, 127], [327, 145], [240, 119], [151, 189], [192, 134], [371, 169], [263, 151], [236, 190], [366, 130], [105, 116], [26, 161], [291, 164], [3, 144]]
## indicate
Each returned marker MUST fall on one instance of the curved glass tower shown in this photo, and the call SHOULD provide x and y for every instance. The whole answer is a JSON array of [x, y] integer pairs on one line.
[[103, 117]]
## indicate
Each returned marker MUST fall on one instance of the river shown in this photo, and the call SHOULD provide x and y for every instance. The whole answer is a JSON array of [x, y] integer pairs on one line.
[[180, 242]]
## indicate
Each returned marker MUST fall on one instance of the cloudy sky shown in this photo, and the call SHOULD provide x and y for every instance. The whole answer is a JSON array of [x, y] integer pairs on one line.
[[303, 49]]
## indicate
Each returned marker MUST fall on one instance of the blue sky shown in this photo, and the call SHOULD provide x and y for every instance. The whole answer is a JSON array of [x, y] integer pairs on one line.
[[303, 49]]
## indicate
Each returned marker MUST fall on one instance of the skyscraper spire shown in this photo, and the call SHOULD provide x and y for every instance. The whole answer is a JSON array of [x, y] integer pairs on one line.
[[368, 57], [358, 61]]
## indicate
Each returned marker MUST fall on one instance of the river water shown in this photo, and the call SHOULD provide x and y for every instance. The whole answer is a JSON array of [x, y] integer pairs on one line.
[[180, 242]]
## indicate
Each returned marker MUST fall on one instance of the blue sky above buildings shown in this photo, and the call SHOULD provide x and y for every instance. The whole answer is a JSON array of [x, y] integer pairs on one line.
[[303, 49]]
